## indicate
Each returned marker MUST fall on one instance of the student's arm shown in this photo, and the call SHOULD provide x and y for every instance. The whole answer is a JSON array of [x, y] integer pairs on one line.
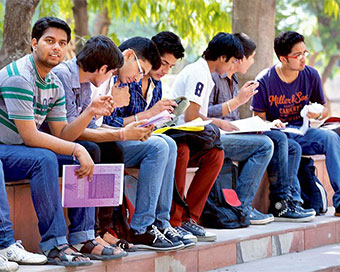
[[101, 105], [220, 110], [130, 133], [35, 138], [161, 105], [192, 113], [278, 123]]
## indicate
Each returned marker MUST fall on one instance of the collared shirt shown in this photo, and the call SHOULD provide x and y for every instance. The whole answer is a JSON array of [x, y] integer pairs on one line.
[[137, 102], [195, 83], [78, 95], [222, 93], [24, 95]]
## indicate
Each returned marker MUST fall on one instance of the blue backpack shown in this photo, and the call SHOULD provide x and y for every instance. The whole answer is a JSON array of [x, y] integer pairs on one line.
[[223, 209], [312, 191]]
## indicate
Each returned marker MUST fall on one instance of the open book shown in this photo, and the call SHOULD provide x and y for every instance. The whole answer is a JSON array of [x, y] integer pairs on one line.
[[331, 123], [159, 119], [256, 124], [251, 124], [194, 125], [104, 189]]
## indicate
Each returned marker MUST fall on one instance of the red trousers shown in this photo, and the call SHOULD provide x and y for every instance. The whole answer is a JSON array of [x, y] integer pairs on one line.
[[209, 163]]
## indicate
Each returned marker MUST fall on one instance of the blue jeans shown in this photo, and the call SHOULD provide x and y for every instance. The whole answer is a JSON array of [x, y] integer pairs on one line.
[[283, 168], [41, 167], [6, 227], [327, 142], [156, 159], [254, 152]]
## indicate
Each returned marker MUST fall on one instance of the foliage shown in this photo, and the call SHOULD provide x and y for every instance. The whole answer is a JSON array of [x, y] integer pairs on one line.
[[191, 19], [318, 21]]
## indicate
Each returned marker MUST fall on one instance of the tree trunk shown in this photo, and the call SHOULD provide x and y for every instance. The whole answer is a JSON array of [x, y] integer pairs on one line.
[[312, 59], [327, 72], [80, 22], [101, 23], [17, 30], [256, 18]]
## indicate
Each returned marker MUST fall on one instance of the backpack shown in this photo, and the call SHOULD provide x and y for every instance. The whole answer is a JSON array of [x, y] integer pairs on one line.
[[198, 140], [312, 191], [223, 209]]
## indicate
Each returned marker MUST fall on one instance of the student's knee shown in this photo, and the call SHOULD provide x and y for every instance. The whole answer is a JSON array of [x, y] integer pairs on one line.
[[183, 152], [45, 158], [331, 136], [294, 148], [267, 146]]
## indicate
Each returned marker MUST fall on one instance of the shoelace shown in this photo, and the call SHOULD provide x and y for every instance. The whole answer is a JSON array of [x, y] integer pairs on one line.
[[171, 232], [181, 231], [192, 223], [158, 235], [18, 243], [3, 258]]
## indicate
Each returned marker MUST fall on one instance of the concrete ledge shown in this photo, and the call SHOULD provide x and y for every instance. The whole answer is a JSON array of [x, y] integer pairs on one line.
[[232, 247]]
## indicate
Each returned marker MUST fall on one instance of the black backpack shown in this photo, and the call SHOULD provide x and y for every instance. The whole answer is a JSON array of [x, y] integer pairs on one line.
[[312, 191], [219, 212]]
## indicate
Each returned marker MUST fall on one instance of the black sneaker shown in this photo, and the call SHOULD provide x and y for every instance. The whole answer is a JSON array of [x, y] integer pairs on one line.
[[186, 234], [173, 235], [153, 239], [286, 211], [337, 211], [298, 205], [198, 231]]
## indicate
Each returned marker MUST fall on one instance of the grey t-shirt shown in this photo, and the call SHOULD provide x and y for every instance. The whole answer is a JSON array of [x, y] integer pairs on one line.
[[24, 95], [221, 93]]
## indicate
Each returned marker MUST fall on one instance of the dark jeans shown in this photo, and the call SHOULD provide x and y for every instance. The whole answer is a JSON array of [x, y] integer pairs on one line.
[[108, 152]]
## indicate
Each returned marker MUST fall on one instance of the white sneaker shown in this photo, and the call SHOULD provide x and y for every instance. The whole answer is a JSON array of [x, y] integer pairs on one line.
[[17, 253], [6, 266]]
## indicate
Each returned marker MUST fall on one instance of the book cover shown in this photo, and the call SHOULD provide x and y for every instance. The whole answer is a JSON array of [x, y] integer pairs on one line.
[[104, 189]]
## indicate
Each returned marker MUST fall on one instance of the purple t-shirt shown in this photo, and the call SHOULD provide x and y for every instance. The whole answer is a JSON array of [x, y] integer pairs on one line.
[[284, 101]]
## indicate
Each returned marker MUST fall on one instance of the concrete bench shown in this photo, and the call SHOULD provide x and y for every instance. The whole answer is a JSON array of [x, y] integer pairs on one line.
[[26, 223]]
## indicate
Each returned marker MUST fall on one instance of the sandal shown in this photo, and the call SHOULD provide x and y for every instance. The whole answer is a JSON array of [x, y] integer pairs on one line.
[[122, 243], [107, 253], [57, 256]]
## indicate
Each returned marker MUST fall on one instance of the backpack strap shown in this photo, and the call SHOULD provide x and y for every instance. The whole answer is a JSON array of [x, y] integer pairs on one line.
[[179, 200]]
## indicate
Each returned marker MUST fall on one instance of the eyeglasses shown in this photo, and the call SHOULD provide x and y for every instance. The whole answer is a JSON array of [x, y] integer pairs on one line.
[[299, 56], [138, 64]]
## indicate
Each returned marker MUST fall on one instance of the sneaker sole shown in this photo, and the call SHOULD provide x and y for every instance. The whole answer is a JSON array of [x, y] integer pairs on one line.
[[262, 222], [146, 247], [287, 219], [30, 263], [194, 239], [189, 245], [206, 239]]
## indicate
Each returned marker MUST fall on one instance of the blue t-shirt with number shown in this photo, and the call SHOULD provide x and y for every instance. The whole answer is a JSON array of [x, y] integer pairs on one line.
[[284, 101]]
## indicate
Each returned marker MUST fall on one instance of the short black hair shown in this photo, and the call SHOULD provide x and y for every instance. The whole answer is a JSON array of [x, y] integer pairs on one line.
[[169, 42], [98, 51], [285, 41], [223, 44], [44, 23], [248, 44], [145, 49]]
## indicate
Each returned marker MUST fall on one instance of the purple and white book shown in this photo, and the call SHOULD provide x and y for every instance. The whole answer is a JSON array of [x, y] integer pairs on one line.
[[104, 189]]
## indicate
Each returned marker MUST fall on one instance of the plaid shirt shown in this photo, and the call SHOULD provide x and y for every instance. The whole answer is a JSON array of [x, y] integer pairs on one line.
[[137, 103]]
